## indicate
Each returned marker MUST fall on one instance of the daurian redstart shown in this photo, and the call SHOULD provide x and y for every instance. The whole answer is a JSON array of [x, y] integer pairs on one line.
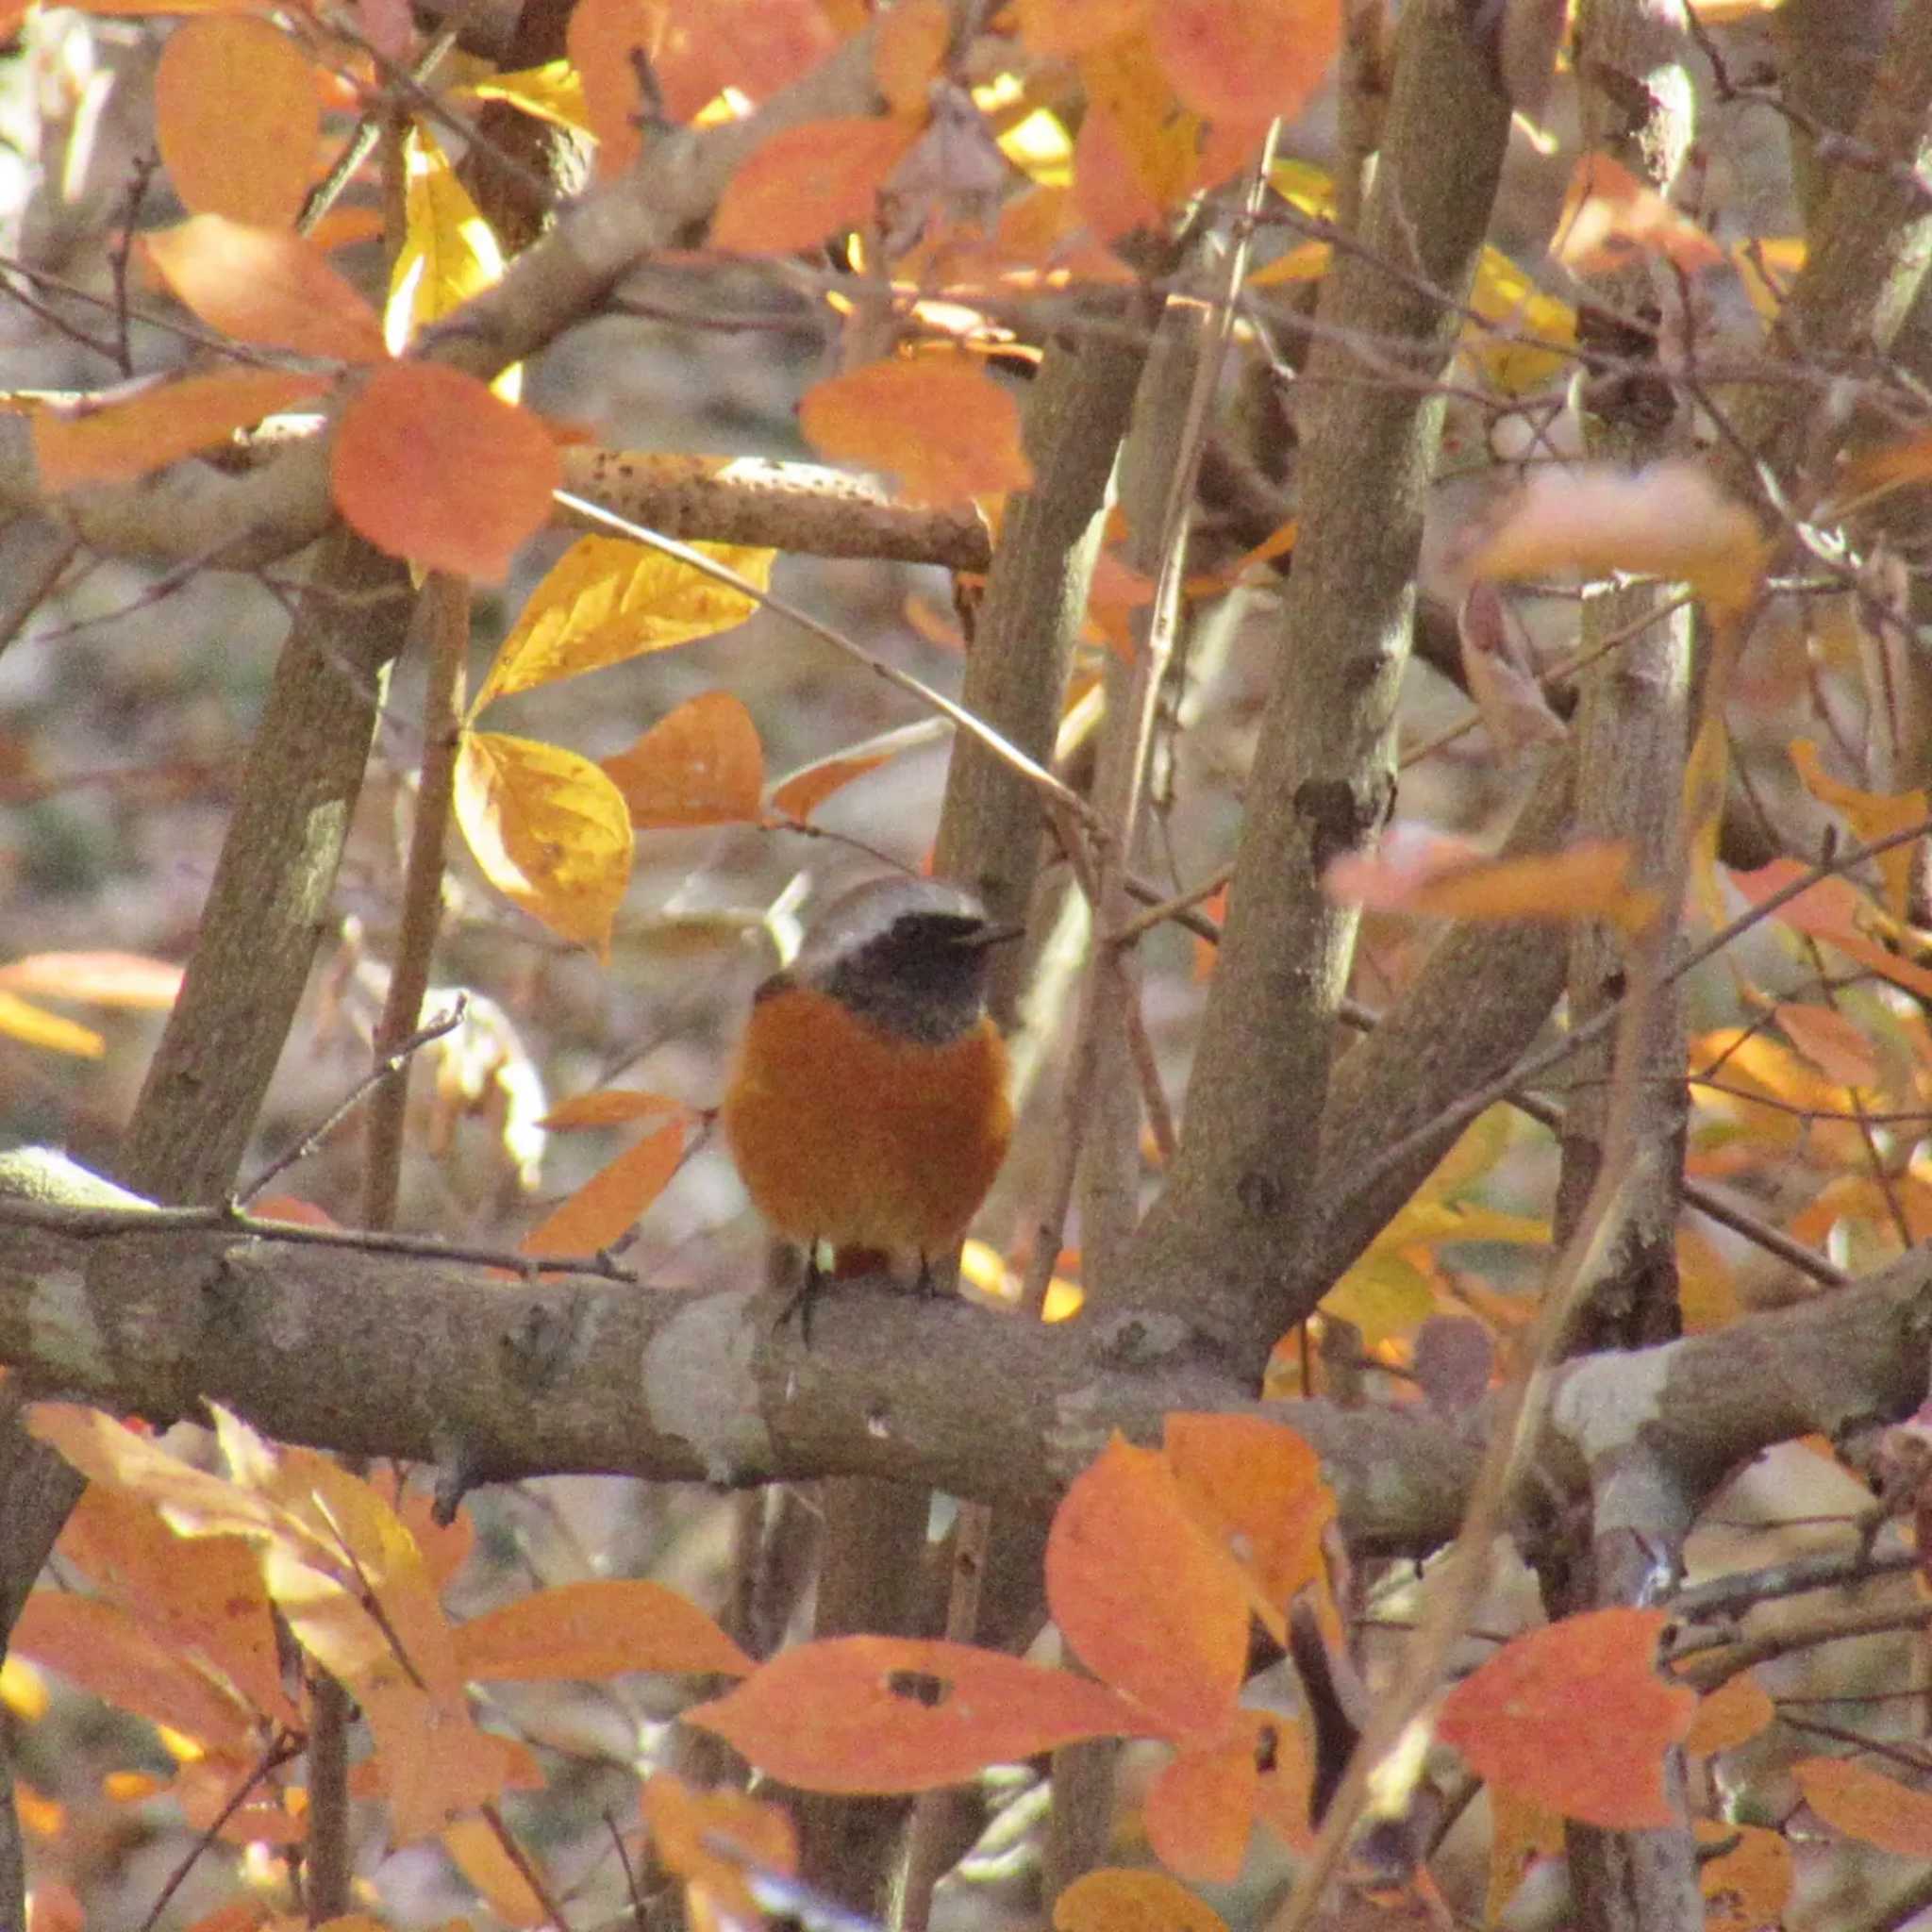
[[867, 1108]]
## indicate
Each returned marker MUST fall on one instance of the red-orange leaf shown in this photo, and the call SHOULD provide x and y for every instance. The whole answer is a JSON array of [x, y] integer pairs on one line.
[[1199, 1809], [1149, 1601], [1247, 60], [596, 1629], [699, 765], [1729, 1715], [808, 182], [895, 1714], [130, 435], [236, 119], [1256, 1486], [802, 793], [939, 423], [1830, 1042], [608, 1205], [266, 285], [1865, 1804], [1118, 1900], [695, 1835], [1576, 1716], [429, 465]]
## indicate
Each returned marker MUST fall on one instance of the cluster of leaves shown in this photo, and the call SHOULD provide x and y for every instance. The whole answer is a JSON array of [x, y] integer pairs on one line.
[[1159, 1562]]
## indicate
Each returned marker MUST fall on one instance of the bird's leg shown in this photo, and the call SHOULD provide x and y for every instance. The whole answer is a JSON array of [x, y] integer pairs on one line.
[[807, 1293], [927, 1288]]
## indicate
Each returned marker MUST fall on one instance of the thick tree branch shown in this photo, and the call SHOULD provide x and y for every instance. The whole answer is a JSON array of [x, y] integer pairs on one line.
[[1222, 1237], [375, 1355]]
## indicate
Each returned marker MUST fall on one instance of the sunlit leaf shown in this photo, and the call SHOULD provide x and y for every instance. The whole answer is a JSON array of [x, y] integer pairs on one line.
[[612, 1201], [1421, 873], [1247, 60], [449, 252], [265, 285], [940, 424], [1833, 909], [1872, 815], [35, 1027], [1199, 1808], [607, 599], [1503, 295], [1865, 1804], [1257, 1488], [595, 1629], [610, 1106], [909, 43], [900, 1715], [549, 829], [127, 436], [1748, 1886], [1120, 1900], [1611, 218], [236, 119], [1576, 1716], [1830, 1042], [807, 183], [553, 92], [102, 978], [1672, 521], [427, 464], [478, 1853], [802, 793], [695, 1833], [1150, 1602], [1729, 1716], [700, 765]]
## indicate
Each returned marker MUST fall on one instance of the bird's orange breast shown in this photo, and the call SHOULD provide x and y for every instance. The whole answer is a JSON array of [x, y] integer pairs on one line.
[[846, 1134]]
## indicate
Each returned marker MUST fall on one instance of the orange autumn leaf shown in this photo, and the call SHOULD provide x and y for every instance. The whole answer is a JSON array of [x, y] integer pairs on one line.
[[810, 182], [265, 285], [1247, 60], [908, 46], [1611, 217], [549, 829], [1419, 872], [606, 41], [1748, 1886], [1673, 519], [105, 1649], [1830, 1042], [476, 1851], [1833, 910], [609, 1203], [695, 1835], [608, 1107], [903, 1714], [802, 793], [236, 119], [1576, 1716], [105, 978], [1199, 1809], [596, 1628], [429, 465], [1120, 1900], [209, 1605], [1872, 815], [940, 424], [1148, 1600], [1865, 1804], [130, 435], [1729, 1715], [700, 765], [1257, 1488], [34, 1025]]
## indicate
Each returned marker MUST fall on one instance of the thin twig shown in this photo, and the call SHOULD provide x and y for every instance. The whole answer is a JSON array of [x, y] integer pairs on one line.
[[390, 1064]]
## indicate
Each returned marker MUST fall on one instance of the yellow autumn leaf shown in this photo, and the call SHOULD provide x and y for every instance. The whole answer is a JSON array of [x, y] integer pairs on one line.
[[1509, 299], [449, 254], [606, 599], [553, 92], [21, 1020], [1870, 814], [551, 832]]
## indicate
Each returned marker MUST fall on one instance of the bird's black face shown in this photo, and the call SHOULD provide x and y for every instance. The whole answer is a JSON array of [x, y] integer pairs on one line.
[[923, 977]]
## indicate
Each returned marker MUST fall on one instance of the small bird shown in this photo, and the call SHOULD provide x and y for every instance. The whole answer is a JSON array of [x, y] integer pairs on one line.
[[867, 1108]]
